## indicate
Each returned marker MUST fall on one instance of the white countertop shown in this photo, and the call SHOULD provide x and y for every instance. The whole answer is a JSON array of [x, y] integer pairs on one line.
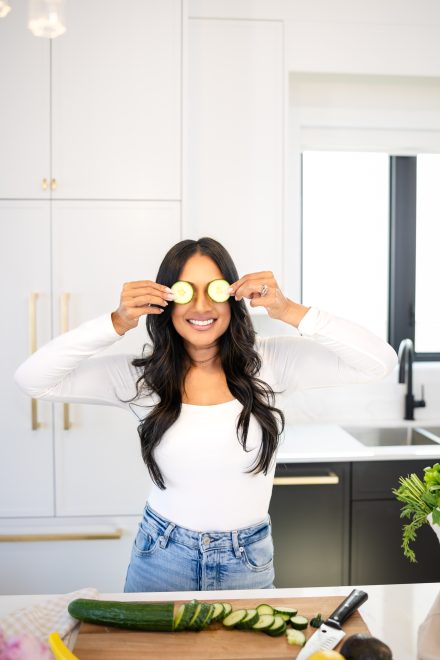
[[392, 613], [312, 443]]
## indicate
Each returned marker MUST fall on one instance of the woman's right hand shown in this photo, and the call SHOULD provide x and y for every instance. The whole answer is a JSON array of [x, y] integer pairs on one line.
[[136, 298]]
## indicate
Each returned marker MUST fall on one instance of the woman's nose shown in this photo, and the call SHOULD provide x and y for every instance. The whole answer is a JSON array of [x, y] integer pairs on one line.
[[202, 300]]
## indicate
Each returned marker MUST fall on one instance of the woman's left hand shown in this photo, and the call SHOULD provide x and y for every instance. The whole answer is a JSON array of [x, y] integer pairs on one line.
[[252, 286]]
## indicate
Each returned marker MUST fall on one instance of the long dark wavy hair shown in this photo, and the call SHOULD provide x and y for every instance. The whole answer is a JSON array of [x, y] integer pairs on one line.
[[165, 367]]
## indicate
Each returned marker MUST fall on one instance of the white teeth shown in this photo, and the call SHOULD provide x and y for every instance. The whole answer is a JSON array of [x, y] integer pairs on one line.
[[194, 322]]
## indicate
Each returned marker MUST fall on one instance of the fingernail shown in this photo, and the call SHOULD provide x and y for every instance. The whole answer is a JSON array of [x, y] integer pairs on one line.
[[231, 289], [170, 296], [167, 288]]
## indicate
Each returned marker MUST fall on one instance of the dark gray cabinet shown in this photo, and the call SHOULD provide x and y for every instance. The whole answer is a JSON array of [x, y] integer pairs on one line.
[[376, 555], [310, 509], [349, 531]]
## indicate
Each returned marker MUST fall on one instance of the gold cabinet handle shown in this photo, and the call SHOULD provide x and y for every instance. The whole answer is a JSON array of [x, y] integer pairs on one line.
[[311, 480], [32, 348], [64, 324], [53, 184], [64, 536], [44, 184]]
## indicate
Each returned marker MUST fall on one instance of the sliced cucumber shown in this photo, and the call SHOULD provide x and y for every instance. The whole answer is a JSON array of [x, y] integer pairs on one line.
[[295, 637], [208, 617], [227, 609], [251, 617], [234, 617], [290, 611], [218, 290], [218, 612], [264, 622], [317, 620], [198, 620], [265, 609], [299, 622], [183, 292], [278, 627]]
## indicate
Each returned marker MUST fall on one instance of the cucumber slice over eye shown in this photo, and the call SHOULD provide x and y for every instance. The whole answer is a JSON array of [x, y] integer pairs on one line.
[[218, 290], [183, 292]]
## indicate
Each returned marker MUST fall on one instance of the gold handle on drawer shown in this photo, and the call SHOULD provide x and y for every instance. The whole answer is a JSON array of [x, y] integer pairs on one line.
[[65, 536], [32, 348], [44, 184], [53, 184], [64, 323], [307, 480]]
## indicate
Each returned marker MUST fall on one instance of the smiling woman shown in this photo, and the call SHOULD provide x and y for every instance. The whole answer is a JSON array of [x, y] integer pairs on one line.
[[207, 384]]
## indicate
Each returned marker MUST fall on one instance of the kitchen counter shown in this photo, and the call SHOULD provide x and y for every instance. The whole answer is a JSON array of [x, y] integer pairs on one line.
[[312, 443], [393, 612]]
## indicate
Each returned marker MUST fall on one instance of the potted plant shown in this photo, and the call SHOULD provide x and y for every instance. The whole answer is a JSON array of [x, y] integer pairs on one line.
[[421, 501]]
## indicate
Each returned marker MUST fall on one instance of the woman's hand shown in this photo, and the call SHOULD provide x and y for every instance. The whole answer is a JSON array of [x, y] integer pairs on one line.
[[136, 298], [251, 286]]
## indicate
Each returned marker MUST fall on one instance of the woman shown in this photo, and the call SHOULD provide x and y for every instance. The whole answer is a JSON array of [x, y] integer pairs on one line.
[[204, 394]]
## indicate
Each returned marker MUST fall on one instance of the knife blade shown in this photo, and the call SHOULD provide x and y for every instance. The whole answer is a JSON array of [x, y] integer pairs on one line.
[[330, 633]]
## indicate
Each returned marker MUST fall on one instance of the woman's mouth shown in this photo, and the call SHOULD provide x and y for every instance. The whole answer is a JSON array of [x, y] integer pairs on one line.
[[201, 325]]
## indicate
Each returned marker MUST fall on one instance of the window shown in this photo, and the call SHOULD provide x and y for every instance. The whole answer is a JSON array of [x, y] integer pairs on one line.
[[371, 231]]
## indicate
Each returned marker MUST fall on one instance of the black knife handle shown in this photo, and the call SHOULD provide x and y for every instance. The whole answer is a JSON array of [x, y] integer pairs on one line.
[[347, 607]]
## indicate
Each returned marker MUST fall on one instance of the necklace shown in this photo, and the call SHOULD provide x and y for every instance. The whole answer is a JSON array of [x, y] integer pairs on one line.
[[204, 361]]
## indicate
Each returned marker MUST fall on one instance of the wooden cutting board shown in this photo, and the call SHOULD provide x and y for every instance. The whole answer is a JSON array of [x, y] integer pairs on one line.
[[214, 643]]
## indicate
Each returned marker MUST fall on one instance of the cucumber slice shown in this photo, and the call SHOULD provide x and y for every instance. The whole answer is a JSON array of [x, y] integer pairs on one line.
[[218, 612], [251, 617], [291, 611], [264, 622], [265, 609], [199, 618], [218, 290], [299, 622], [295, 637], [227, 609], [278, 627], [233, 618], [208, 617], [183, 292]]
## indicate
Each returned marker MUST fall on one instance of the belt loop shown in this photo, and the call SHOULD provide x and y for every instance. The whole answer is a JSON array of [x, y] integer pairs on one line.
[[235, 544], [166, 535]]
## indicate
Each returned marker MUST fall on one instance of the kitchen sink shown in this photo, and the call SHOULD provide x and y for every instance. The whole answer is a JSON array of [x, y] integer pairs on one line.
[[397, 436]]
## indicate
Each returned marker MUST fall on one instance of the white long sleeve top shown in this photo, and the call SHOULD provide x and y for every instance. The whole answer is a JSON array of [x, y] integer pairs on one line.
[[201, 459]]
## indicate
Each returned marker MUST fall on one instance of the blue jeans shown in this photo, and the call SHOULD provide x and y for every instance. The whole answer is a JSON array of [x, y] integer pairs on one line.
[[167, 557]]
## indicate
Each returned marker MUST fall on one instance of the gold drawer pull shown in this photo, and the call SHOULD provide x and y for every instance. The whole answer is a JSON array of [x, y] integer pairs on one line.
[[64, 323], [64, 536], [53, 184], [32, 348], [330, 478]]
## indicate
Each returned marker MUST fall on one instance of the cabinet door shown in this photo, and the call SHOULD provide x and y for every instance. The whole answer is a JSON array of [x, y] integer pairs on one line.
[[24, 111], [116, 101], [97, 246], [310, 525], [234, 151], [377, 556], [26, 454]]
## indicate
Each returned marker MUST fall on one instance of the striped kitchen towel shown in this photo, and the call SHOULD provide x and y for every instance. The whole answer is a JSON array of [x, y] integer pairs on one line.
[[50, 615]]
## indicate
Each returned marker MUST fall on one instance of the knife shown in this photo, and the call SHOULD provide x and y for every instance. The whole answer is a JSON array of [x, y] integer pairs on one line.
[[330, 633]]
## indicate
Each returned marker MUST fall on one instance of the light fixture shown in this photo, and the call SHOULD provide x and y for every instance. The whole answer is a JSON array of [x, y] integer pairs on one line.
[[47, 18], [5, 8]]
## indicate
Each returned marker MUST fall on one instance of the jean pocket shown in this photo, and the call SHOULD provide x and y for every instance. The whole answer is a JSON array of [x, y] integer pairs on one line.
[[146, 541], [258, 555]]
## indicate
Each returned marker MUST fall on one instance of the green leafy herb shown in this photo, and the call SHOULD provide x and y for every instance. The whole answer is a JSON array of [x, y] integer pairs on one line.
[[420, 498]]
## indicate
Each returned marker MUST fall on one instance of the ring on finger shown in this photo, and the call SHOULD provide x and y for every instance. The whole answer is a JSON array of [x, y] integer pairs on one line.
[[264, 289]]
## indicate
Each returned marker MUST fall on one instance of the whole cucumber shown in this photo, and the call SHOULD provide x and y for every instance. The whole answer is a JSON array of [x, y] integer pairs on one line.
[[123, 614]]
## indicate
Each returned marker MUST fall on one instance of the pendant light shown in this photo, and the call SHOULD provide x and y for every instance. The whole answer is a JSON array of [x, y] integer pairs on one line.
[[47, 18], [5, 8]]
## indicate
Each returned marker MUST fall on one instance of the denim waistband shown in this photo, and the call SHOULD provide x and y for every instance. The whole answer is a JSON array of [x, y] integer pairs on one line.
[[209, 539]]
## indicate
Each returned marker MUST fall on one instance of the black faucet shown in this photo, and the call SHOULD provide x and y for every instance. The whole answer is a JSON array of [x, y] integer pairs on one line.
[[405, 355]]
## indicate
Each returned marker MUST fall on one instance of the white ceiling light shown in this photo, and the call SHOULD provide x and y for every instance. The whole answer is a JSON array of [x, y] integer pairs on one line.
[[5, 8], [47, 18]]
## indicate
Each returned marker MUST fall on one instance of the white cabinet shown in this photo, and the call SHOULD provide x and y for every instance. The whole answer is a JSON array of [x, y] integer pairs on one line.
[[97, 246], [24, 108], [102, 102], [116, 101], [26, 454], [234, 150]]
